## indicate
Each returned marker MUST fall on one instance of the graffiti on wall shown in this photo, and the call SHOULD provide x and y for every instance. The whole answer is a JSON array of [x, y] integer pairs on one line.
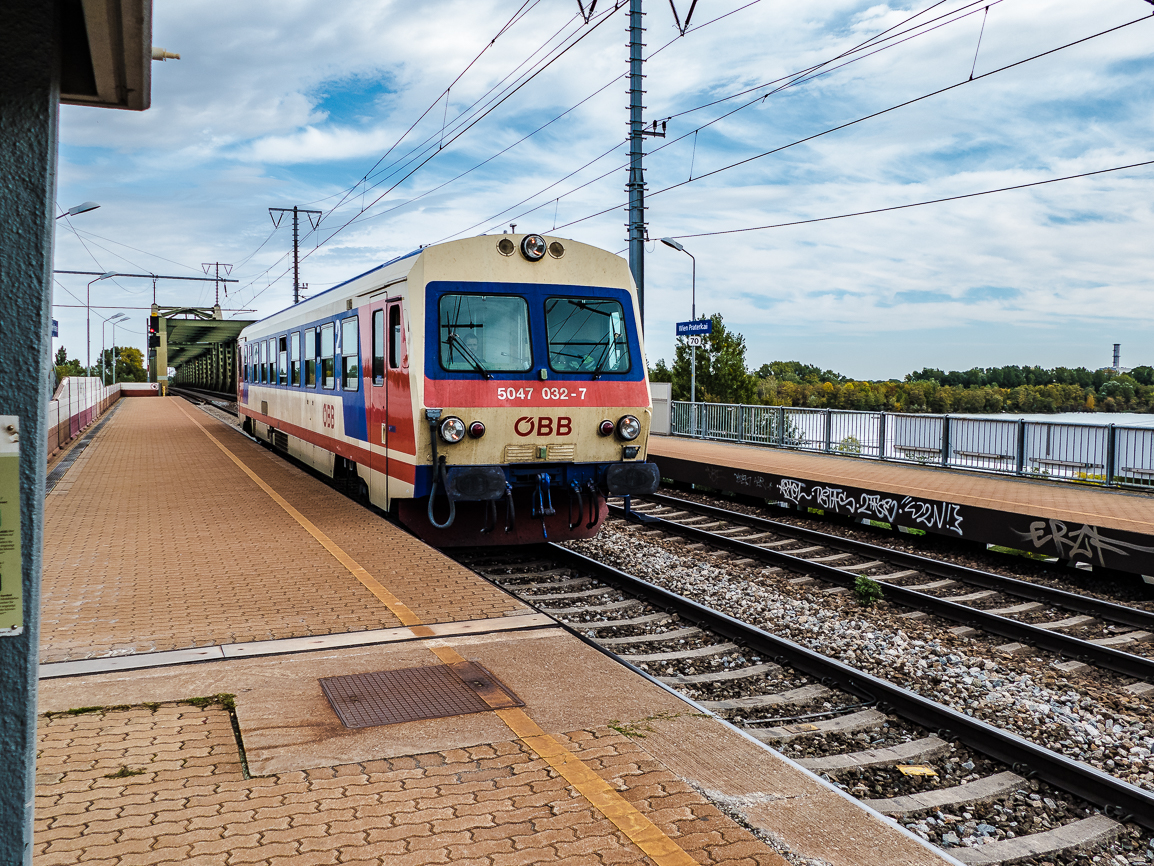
[[937, 516], [1085, 542]]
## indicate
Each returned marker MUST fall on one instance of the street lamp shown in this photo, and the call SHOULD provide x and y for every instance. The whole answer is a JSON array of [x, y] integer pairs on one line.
[[670, 242], [80, 208], [88, 321], [114, 320]]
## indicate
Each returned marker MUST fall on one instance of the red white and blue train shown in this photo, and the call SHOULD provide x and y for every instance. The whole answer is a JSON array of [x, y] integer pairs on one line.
[[491, 390]]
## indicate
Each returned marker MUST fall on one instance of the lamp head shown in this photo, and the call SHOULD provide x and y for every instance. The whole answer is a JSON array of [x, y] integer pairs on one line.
[[105, 276], [670, 242], [83, 208]]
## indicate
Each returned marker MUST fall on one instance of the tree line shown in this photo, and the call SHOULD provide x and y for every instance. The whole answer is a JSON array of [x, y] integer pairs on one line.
[[128, 360], [723, 377]]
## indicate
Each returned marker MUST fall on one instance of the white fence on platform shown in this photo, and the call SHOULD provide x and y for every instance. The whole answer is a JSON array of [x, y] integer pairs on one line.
[[1102, 454]]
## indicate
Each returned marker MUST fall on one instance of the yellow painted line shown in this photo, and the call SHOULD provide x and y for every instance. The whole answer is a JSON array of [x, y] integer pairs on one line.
[[394, 604], [601, 795], [605, 799]]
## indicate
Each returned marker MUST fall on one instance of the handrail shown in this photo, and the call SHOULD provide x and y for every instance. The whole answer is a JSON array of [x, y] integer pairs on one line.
[[1104, 455]]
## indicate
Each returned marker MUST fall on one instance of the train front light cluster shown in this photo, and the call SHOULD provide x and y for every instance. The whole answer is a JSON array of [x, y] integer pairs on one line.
[[452, 429], [628, 428]]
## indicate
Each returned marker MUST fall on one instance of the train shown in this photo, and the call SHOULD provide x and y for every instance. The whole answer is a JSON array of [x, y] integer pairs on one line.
[[488, 390]]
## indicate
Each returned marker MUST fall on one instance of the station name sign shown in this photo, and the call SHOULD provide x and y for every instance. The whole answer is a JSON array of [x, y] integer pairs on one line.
[[699, 326]]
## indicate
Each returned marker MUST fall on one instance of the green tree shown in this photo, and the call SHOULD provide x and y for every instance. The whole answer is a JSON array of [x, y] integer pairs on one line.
[[660, 373], [721, 373]]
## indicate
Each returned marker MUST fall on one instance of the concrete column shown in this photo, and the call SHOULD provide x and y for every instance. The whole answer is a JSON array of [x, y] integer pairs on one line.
[[29, 96]]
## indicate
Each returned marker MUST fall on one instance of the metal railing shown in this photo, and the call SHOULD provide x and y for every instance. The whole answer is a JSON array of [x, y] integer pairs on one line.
[[1103, 454]]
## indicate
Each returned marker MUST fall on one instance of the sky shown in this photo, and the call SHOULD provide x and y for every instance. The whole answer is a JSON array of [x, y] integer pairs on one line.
[[360, 110]]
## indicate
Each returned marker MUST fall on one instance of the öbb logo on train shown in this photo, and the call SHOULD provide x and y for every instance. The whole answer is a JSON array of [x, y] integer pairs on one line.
[[329, 416], [544, 425]]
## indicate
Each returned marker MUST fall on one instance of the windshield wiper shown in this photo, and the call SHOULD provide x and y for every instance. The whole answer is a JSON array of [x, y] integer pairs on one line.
[[454, 340], [610, 339]]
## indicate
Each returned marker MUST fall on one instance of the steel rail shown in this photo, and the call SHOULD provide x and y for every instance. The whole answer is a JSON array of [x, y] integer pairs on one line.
[[1117, 798], [1118, 613], [212, 397], [1071, 647]]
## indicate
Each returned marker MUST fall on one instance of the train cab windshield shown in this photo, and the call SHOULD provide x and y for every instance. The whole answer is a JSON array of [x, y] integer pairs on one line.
[[586, 335], [484, 333]]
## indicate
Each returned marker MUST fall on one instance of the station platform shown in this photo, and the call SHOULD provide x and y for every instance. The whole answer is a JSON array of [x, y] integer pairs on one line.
[[201, 593], [1079, 523]]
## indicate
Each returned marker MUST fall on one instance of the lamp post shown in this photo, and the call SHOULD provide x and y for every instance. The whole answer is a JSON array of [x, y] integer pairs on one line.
[[113, 320], [670, 242], [88, 321], [80, 208]]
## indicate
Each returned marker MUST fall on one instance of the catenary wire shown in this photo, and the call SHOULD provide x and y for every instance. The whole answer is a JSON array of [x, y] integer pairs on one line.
[[920, 203], [866, 117]]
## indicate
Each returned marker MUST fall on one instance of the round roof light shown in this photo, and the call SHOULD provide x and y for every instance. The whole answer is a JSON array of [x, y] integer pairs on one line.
[[506, 247], [533, 247], [556, 250]]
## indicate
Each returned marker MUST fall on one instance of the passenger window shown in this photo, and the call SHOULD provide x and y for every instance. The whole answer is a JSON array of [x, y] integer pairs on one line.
[[379, 347], [295, 358], [271, 364], [395, 336], [282, 360], [263, 362], [328, 368], [350, 355], [310, 357]]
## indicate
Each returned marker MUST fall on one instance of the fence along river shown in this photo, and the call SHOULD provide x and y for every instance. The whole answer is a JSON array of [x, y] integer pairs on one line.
[[1110, 455]]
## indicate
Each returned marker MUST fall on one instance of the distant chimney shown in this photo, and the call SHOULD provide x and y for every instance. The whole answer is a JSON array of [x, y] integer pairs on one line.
[[1117, 356]]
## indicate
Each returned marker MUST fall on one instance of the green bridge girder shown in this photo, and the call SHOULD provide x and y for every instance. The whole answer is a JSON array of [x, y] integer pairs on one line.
[[200, 344]]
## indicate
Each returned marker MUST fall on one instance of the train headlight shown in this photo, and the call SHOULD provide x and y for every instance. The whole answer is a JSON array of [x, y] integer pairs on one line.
[[533, 247], [476, 429], [606, 427], [452, 430], [628, 428]]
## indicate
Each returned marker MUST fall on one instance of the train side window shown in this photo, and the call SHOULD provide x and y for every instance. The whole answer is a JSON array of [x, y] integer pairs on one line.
[[328, 368], [395, 336], [295, 358], [263, 362], [379, 347], [350, 355], [310, 335], [270, 361], [282, 360]]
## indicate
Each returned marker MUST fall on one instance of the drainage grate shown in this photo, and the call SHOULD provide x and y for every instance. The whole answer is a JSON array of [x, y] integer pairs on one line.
[[413, 694]]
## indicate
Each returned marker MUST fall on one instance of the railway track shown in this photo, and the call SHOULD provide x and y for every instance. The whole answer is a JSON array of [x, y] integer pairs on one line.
[[223, 401], [984, 793], [916, 582]]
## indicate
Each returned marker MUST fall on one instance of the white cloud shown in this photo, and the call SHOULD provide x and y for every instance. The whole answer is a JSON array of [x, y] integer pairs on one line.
[[291, 102]]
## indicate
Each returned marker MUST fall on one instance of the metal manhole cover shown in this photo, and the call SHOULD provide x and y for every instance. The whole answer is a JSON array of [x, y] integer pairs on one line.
[[413, 694]]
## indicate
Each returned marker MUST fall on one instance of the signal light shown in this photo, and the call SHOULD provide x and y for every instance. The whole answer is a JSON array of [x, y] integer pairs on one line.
[[476, 429], [154, 332], [605, 428]]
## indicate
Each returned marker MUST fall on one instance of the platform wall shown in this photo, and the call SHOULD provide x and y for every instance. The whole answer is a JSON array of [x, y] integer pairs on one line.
[[78, 401]]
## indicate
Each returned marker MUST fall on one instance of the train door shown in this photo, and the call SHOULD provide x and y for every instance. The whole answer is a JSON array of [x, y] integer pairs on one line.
[[390, 406], [377, 399]]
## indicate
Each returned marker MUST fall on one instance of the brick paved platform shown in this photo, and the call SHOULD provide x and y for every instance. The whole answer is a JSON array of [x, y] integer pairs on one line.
[[176, 531], [1076, 522], [156, 540]]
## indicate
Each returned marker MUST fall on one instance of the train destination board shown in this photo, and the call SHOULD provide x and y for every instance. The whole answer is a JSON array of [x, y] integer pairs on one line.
[[11, 590], [698, 326]]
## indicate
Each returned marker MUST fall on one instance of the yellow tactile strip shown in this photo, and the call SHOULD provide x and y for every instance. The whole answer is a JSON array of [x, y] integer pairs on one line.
[[1103, 508], [660, 848], [487, 805]]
